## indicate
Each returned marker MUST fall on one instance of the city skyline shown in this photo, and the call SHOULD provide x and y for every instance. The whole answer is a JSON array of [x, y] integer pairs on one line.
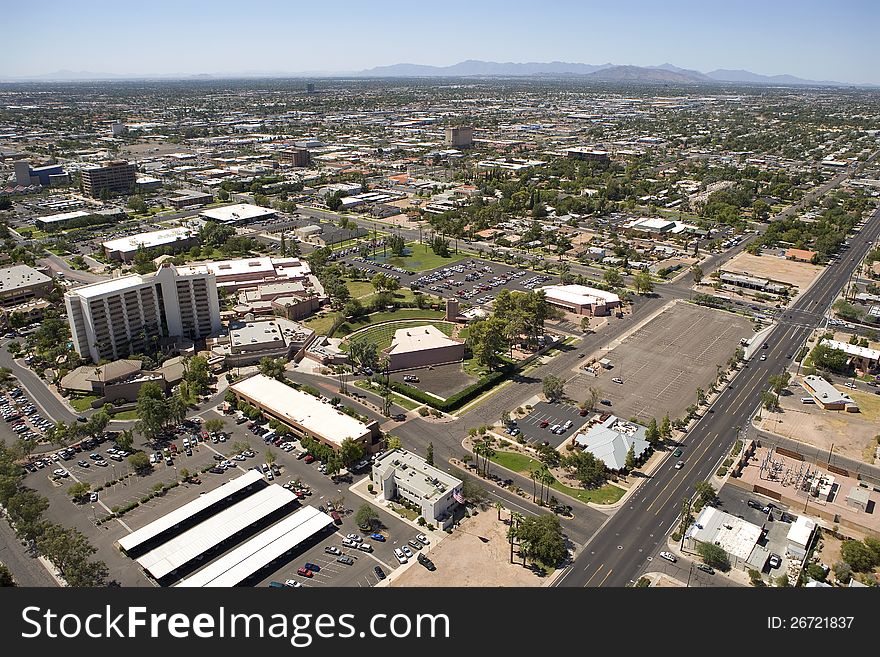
[[797, 39]]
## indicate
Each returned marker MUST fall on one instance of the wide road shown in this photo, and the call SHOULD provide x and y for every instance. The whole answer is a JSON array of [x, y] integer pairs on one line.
[[621, 549]]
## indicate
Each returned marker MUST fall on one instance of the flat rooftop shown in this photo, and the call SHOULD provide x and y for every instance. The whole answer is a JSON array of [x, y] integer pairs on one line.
[[149, 240], [579, 294], [253, 333], [270, 268], [853, 349], [302, 409], [62, 216], [734, 535], [238, 212], [415, 473], [18, 276], [419, 338], [112, 286]]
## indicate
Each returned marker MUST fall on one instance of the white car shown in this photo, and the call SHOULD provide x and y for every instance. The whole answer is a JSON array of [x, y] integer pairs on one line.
[[617, 379], [401, 557], [292, 582], [60, 472], [421, 538], [406, 551], [668, 556], [353, 537]]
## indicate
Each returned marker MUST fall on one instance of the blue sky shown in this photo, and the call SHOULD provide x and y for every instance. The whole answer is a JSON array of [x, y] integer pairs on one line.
[[808, 38]]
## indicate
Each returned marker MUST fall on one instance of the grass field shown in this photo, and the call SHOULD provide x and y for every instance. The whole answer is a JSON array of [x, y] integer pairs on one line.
[[422, 258], [83, 403], [607, 494], [375, 318], [320, 324], [403, 402], [381, 335], [360, 289], [126, 415]]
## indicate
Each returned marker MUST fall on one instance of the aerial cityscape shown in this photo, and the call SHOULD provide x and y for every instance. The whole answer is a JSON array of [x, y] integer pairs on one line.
[[475, 324]]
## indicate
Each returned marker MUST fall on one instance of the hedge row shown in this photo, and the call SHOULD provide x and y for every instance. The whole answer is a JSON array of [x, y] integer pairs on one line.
[[458, 399]]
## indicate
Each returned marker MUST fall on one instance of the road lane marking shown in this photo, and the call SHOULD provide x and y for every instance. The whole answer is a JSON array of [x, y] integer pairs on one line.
[[606, 577], [601, 566]]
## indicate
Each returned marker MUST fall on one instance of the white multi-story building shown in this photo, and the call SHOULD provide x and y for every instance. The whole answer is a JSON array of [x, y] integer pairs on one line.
[[115, 318], [399, 473]]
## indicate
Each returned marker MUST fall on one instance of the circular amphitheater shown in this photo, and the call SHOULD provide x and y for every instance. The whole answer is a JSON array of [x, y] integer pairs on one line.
[[382, 334]]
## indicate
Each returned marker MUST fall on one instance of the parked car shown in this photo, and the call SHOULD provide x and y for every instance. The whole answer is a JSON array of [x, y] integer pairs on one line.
[[336, 517], [332, 549], [706, 568], [424, 540], [401, 557], [365, 547], [347, 560], [376, 536], [379, 572], [414, 544], [315, 568], [304, 572], [292, 583], [775, 561], [668, 556], [605, 402]]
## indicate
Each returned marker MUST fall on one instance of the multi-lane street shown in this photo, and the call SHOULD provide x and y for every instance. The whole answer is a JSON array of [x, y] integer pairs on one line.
[[620, 550]]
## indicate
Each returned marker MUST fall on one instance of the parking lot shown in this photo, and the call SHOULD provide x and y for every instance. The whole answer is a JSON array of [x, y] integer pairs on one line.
[[536, 427], [440, 380], [662, 364], [474, 280], [777, 522]]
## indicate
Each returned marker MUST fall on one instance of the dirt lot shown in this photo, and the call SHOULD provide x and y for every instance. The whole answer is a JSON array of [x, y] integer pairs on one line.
[[799, 274], [463, 559], [851, 434], [664, 362]]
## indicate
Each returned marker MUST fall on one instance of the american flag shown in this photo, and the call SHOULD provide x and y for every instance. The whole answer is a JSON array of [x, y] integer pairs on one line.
[[457, 496]]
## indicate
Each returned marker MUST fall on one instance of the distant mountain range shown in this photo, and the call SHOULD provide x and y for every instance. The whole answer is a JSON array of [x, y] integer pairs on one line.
[[662, 74]]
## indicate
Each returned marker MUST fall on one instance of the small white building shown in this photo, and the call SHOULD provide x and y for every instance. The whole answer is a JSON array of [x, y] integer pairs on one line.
[[402, 474], [799, 536], [581, 300]]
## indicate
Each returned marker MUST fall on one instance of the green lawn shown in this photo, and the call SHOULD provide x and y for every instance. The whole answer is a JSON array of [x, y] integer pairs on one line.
[[404, 512], [607, 494], [359, 289], [83, 403], [375, 318], [321, 324], [126, 415], [423, 258], [403, 402], [381, 335]]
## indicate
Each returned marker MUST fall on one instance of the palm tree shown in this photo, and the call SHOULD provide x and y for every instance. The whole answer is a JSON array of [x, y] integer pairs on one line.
[[533, 474], [547, 478]]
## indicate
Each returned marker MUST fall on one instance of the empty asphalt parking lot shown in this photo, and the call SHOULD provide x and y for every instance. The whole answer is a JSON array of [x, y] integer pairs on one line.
[[664, 362]]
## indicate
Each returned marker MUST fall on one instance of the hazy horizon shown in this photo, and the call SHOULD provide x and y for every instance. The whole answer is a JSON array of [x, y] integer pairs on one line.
[[805, 39]]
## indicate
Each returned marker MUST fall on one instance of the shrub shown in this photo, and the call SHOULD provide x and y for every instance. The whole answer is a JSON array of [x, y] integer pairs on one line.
[[421, 521], [676, 537], [721, 471], [423, 411], [727, 463], [370, 487]]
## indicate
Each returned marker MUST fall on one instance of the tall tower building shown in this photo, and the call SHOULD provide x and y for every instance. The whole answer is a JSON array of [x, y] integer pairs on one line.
[[115, 318]]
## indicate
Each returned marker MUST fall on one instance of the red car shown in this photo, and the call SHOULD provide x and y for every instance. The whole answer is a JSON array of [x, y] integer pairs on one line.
[[336, 517], [173, 448], [309, 458], [305, 572], [544, 424]]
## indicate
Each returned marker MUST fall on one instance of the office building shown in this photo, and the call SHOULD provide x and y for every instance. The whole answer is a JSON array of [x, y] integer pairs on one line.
[[25, 175], [117, 176], [176, 239], [20, 283], [587, 154], [402, 474], [188, 198], [115, 318], [298, 157], [460, 136], [581, 300], [304, 414]]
